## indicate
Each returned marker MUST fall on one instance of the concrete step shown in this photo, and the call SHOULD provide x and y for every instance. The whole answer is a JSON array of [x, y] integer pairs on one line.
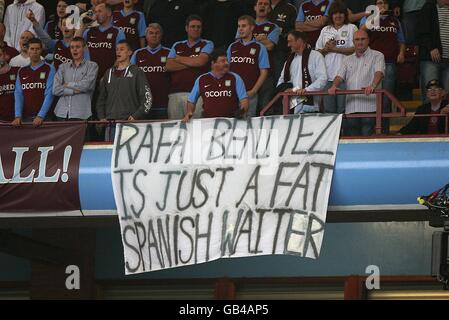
[[417, 93], [395, 128], [411, 105], [397, 123]]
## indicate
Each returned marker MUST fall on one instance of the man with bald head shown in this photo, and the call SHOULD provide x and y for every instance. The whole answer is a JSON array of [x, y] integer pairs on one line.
[[102, 39], [364, 69], [22, 59], [9, 52]]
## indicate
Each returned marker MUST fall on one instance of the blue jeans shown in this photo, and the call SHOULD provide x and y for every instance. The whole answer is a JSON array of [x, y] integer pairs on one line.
[[265, 92], [110, 132], [359, 126], [157, 113], [409, 22], [334, 104], [389, 84], [432, 70], [252, 109], [279, 58]]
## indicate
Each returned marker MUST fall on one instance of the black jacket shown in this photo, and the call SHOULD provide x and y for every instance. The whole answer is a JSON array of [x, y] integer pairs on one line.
[[428, 30], [220, 21], [420, 125]]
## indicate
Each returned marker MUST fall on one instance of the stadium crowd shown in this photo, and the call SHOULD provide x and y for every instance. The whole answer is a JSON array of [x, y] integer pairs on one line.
[[182, 59]]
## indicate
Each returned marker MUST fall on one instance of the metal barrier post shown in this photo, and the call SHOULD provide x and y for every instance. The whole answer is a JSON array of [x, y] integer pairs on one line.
[[379, 105], [285, 104], [446, 124]]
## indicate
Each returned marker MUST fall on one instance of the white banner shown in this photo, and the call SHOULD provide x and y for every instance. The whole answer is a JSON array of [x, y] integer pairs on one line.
[[219, 188]]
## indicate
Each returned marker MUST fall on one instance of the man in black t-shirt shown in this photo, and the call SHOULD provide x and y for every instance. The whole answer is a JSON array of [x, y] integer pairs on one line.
[[283, 14], [220, 18]]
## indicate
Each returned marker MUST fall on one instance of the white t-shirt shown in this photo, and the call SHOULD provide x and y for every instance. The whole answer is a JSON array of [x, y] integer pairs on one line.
[[343, 37], [20, 61]]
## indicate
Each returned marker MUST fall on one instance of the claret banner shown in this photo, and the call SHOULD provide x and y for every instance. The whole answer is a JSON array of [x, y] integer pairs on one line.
[[39, 167], [220, 188]]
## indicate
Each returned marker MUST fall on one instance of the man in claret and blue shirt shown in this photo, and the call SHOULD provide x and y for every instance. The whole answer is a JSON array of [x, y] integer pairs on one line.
[[267, 33], [8, 76], [152, 60], [103, 39], [313, 15], [33, 92], [223, 92], [249, 59], [132, 23], [186, 61]]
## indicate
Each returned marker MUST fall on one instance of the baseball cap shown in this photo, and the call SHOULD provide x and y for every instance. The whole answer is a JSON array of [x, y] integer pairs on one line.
[[433, 83]]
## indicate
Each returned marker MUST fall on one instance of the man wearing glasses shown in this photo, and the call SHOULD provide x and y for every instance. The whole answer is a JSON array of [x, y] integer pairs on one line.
[[436, 105]]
